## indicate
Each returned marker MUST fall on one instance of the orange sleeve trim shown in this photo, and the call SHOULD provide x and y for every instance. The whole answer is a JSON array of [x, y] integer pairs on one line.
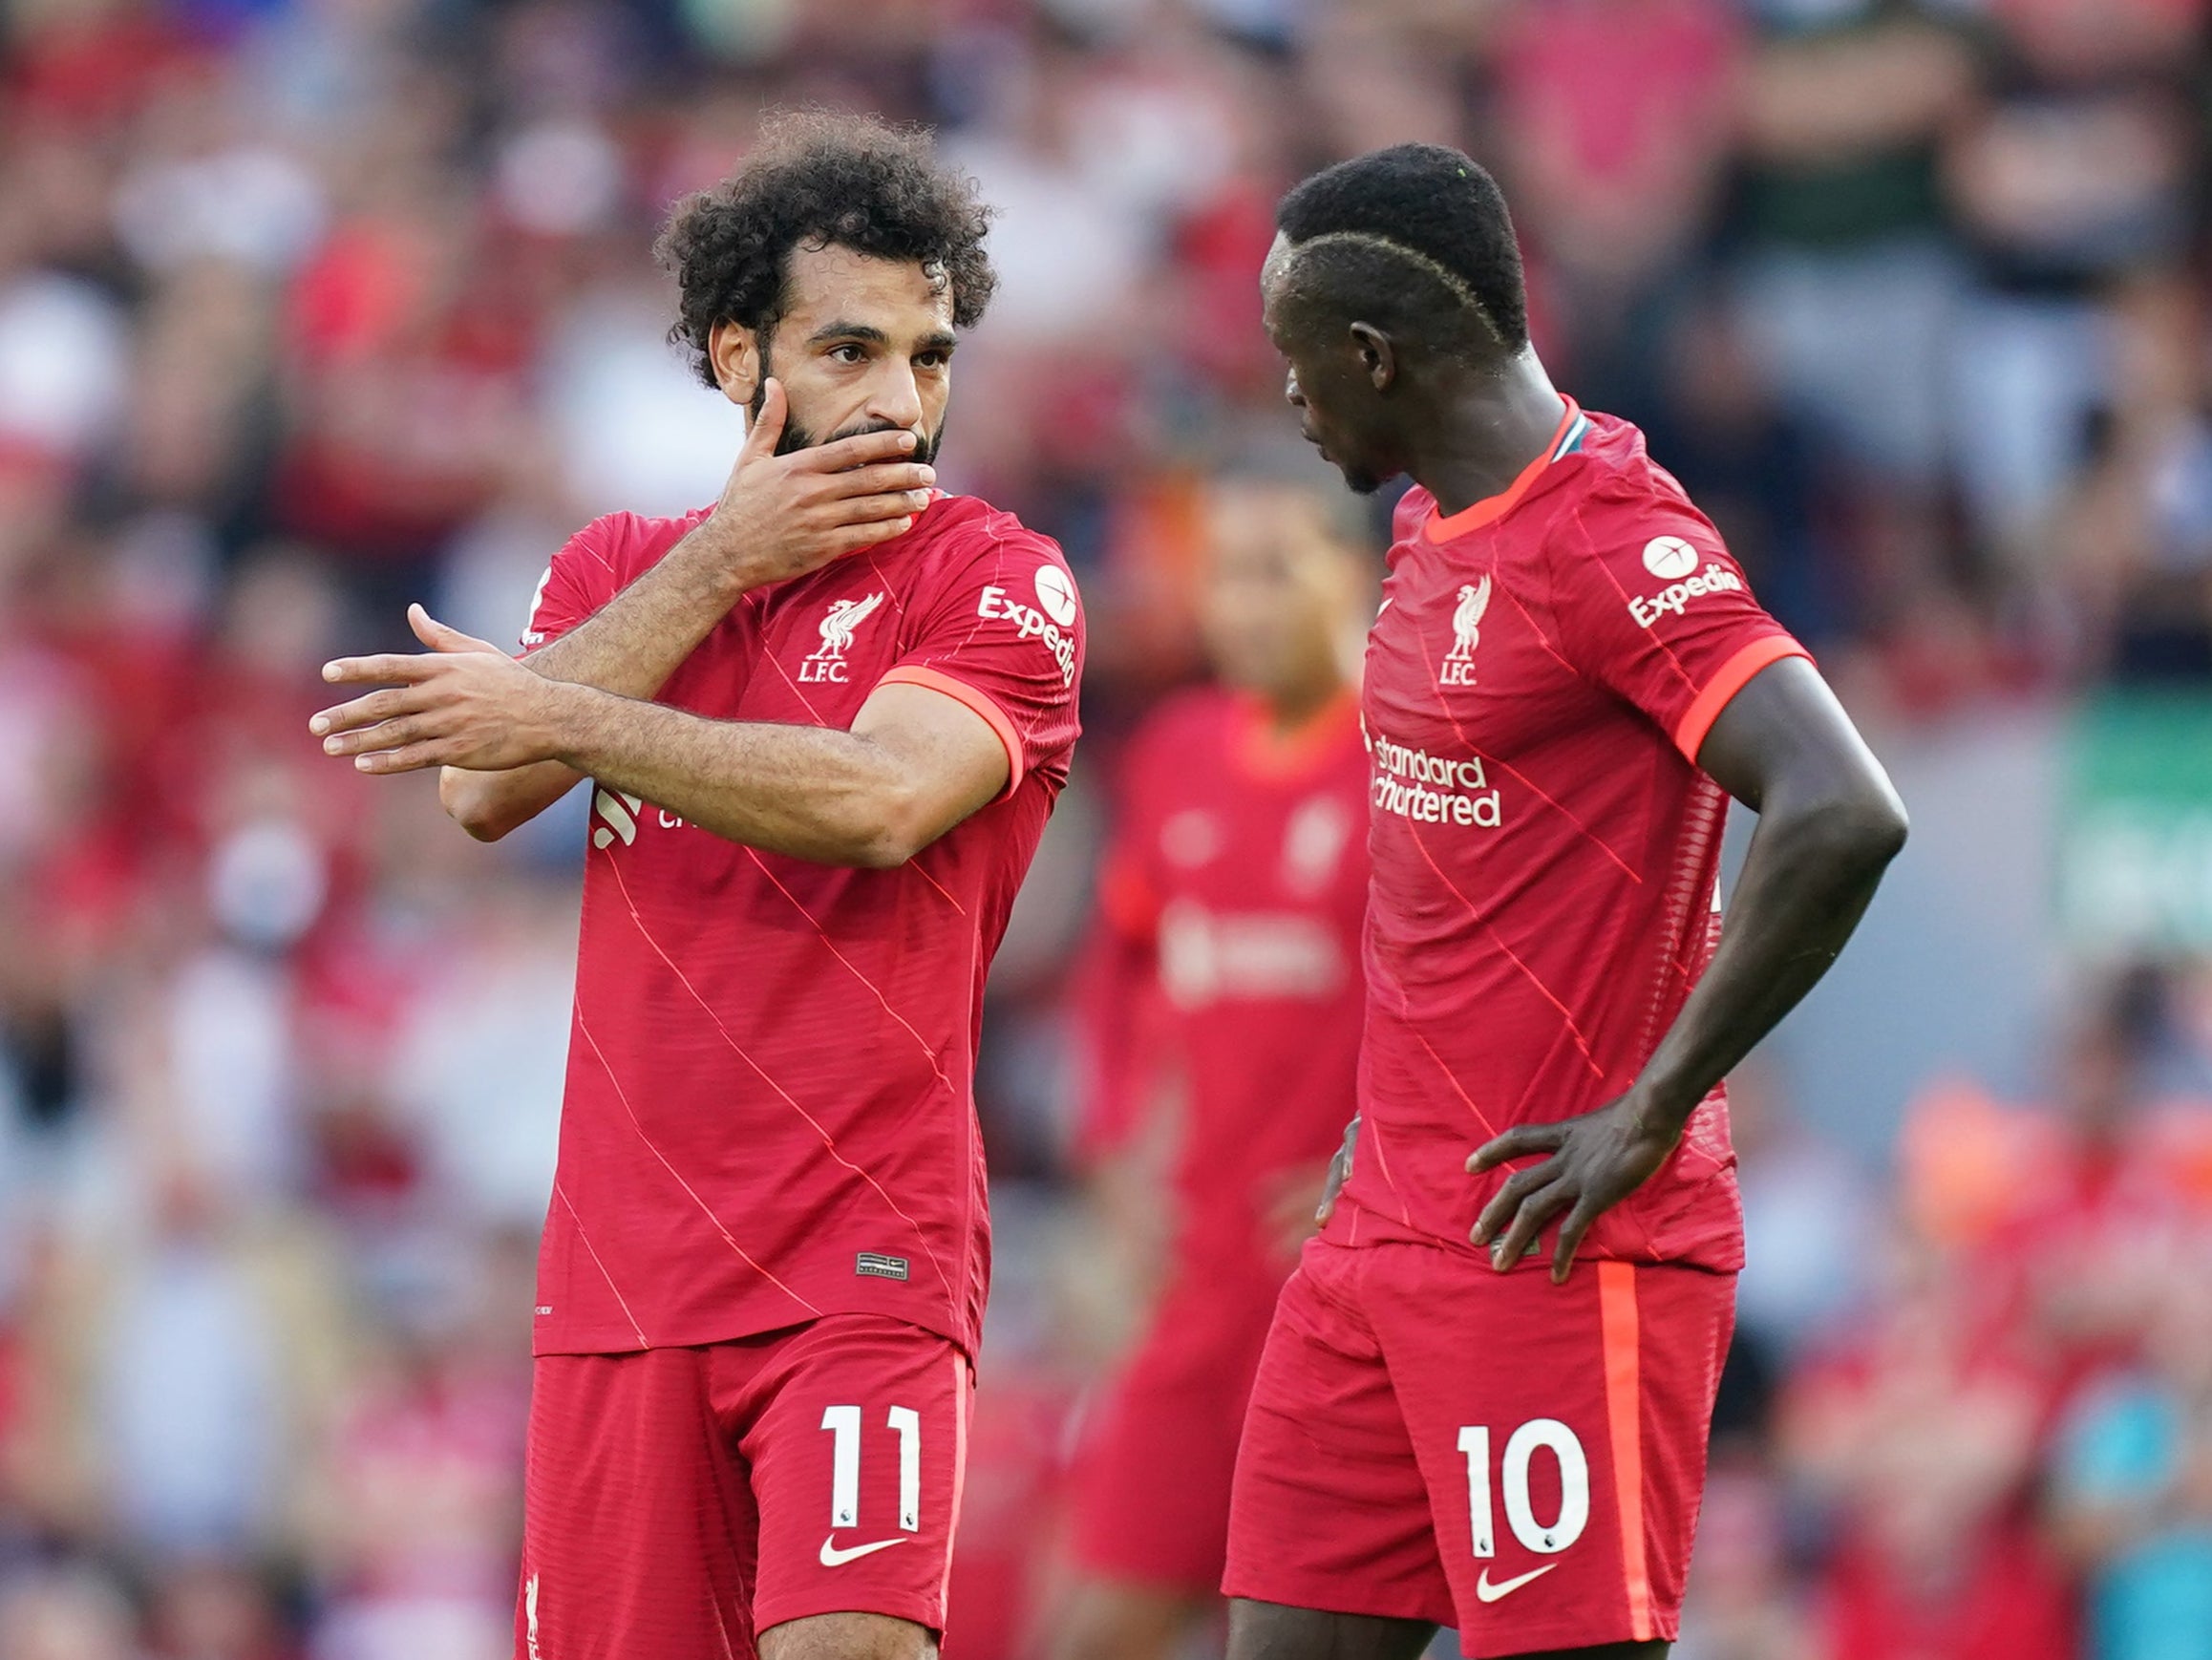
[[1619, 1334], [961, 693], [1733, 676]]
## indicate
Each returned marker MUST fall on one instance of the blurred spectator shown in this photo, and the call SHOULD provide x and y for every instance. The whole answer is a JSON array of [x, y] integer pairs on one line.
[[310, 308], [2133, 1488]]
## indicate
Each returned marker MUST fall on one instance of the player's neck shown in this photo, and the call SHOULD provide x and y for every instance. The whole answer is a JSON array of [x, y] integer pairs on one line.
[[1487, 426]]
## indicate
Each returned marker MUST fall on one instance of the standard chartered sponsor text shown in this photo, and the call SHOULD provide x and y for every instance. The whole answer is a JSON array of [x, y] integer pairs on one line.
[[1434, 789]]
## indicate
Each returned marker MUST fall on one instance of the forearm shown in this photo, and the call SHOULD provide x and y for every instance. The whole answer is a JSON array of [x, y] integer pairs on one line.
[[629, 648], [639, 638], [488, 805], [811, 792], [1807, 878]]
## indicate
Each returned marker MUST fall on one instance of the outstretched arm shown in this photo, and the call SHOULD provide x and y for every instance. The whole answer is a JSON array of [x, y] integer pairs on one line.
[[779, 516], [1829, 824], [915, 763]]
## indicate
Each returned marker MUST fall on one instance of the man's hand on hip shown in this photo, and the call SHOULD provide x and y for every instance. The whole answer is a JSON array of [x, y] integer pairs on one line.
[[1597, 1161]]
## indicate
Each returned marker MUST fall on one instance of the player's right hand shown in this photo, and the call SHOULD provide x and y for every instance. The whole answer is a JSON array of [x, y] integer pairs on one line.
[[782, 516]]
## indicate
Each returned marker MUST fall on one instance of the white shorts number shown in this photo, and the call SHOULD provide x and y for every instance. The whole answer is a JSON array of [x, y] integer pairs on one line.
[[1574, 1486], [844, 1422]]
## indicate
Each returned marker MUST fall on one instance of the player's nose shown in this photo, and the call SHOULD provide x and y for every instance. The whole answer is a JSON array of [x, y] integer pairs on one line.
[[896, 400], [1291, 393]]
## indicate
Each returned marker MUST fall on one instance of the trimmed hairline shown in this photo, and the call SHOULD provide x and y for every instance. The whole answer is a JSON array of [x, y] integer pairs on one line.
[[1459, 286]]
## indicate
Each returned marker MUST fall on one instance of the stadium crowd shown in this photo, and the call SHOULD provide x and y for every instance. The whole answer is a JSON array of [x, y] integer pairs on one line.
[[309, 308]]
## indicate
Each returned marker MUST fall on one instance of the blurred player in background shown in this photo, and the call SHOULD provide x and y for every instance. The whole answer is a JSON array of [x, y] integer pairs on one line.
[[1224, 980], [827, 720], [1566, 681]]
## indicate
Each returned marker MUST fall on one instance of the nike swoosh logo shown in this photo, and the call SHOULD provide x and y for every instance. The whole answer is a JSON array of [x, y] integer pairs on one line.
[[1487, 1592], [833, 1557]]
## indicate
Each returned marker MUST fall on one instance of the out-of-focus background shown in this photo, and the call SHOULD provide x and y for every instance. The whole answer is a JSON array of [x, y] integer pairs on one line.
[[309, 308]]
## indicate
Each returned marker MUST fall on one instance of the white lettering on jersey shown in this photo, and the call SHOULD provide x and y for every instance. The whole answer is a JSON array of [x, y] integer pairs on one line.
[[1031, 624], [1714, 578], [1433, 789]]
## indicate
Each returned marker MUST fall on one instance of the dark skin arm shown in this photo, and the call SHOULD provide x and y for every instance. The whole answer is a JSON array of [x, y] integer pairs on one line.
[[1829, 826]]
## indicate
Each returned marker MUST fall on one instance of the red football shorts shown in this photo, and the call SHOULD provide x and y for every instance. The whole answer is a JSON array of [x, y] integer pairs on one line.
[[679, 1501], [1153, 1474], [1432, 1441]]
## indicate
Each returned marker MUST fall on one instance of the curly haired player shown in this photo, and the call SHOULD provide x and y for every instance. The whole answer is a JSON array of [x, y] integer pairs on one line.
[[827, 720]]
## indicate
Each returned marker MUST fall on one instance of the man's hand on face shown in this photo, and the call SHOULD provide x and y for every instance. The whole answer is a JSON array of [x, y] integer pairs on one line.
[[782, 516], [464, 703]]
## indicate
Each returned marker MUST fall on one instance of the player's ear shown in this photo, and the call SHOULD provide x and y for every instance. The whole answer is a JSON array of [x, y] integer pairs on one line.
[[735, 353], [1376, 355]]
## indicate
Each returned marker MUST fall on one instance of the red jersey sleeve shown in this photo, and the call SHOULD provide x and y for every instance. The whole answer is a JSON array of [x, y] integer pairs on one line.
[[582, 577], [1651, 605], [1003, 635]]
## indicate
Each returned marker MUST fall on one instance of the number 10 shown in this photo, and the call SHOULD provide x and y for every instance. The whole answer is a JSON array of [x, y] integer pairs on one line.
[[1574, 1486]]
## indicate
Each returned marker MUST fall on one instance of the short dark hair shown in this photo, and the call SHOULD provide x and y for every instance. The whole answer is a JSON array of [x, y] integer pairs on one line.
[[818, 180], [1416, 235]]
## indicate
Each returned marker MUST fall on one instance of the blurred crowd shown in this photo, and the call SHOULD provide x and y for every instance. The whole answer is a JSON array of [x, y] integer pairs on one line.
[[310, 307]]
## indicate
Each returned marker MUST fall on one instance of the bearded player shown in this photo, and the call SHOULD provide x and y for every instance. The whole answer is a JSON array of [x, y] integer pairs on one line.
[[1224, 996], [1484, 1398], [826, 721]]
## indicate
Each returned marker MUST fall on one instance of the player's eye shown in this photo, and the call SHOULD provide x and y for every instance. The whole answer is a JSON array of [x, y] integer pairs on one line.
[[932, 359], [848, 352]]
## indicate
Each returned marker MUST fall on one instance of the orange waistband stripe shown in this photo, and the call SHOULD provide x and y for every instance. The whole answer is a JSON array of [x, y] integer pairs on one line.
[[1624, 1417]]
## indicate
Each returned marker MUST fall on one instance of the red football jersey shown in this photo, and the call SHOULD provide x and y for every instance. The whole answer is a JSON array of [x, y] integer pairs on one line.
[[770, 1113], [1545, 850], [1230, 900]]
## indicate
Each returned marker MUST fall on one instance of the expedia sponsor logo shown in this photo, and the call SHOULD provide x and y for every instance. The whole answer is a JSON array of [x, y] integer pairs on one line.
[[1434, 789], [998, 606], [1714, 578]]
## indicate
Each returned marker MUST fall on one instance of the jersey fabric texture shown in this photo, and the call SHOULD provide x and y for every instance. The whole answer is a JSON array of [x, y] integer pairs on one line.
[[1492, 1452], [1520, 1460], [1545, 850], [680, 1501], [769, 1114], [1225, 978]]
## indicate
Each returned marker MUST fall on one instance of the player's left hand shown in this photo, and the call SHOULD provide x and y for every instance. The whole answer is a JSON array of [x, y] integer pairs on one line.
[[464, 703], [1597, 1161]]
